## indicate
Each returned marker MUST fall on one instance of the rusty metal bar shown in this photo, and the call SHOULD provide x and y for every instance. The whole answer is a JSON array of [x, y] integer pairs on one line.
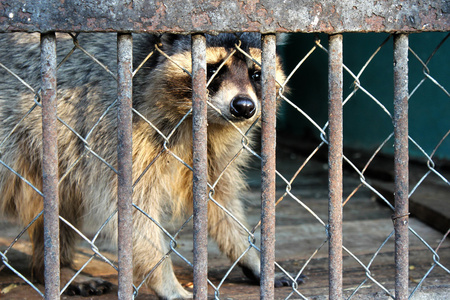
[[182, 16], [50, 166], [335, 155], [199, 131], [124, 154], [401, 218], [268, 142]]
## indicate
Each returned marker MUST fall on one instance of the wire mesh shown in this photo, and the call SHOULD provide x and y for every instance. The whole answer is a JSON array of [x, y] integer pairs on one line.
[[170, 165]]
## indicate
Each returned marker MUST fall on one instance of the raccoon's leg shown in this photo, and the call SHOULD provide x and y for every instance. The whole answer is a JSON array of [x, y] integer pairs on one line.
[[36, 232], [28, 205], [231, 237], [149, 251], [82, 285], [71, 210], [232, 240]]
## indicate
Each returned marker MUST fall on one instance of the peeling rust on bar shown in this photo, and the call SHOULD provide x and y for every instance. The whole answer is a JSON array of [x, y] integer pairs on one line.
[[124, 154], [199, 110], [401, 157], [268, 142], [335, 156], [50, 166], [181, 16]]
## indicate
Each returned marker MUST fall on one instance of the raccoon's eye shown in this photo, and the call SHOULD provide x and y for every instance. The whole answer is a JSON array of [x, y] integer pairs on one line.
[[256, 76], [211, 70]]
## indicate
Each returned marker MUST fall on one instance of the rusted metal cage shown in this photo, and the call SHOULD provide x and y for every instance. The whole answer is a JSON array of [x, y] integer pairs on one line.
[[198, 18]]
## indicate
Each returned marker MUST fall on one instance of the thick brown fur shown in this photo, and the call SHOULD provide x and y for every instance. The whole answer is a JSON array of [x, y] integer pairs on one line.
[[161, 94]]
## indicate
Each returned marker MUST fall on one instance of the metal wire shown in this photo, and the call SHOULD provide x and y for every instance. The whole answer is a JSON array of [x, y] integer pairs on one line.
[[284, 187]]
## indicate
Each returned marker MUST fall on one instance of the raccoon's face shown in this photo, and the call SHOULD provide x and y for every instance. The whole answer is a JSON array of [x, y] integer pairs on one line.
[[233, 76], [234, 90]]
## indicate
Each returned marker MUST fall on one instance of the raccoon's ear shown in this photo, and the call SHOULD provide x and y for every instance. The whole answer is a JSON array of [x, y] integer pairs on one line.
[[282, 39], [168, 39]]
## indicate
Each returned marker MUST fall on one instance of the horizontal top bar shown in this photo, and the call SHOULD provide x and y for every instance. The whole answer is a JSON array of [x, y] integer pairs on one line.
[[181, 16]]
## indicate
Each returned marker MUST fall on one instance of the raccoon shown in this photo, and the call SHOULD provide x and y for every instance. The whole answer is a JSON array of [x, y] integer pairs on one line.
[[87, 141]]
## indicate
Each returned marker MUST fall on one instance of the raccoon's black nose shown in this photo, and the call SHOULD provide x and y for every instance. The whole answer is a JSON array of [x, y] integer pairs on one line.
[[242, 107]]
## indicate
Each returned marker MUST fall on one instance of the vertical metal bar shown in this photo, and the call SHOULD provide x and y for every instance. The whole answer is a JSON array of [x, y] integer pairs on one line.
[[200, 186], [124, 153], [50, 166], [268, 140], [335, 154], [400, 217]]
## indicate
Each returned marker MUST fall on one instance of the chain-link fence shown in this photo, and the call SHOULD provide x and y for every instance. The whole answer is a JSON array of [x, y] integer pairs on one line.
[[74, 159], [359, 166]]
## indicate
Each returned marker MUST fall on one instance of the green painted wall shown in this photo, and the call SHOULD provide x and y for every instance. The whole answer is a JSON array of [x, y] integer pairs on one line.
[[366, 125]]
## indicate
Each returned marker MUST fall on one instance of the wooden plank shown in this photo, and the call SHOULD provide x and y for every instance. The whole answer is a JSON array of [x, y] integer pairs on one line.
[[429, 203]]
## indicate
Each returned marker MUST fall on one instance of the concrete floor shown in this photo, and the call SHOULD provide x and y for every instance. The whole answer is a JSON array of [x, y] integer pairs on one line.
[[367, 223]]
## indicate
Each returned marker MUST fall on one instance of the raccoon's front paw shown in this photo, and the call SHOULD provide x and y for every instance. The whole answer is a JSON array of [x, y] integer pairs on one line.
[[83, 284], [282, 279], [94, 286], [182, 295]]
